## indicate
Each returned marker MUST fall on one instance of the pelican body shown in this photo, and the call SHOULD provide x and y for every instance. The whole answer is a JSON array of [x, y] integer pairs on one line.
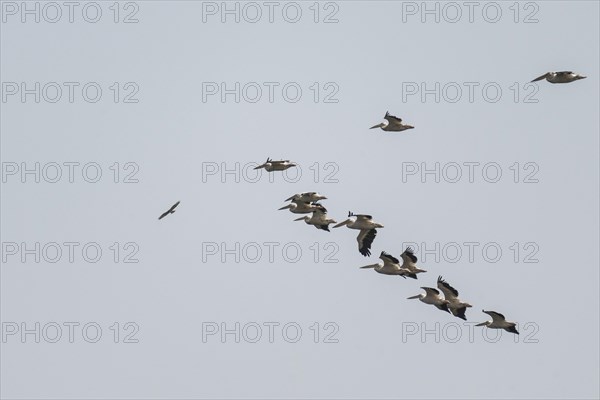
[[280, 165], [432, 296], [390, 266], [560, 77], [367, 233], [394, 124], [456, 306], [499, 322], [318, 219]]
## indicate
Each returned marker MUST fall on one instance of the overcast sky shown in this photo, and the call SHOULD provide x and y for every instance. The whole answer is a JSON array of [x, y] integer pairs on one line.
[[150, 105]]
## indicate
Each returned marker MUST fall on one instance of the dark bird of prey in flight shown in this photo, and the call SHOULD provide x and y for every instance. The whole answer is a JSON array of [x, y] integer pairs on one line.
[[169, 211]]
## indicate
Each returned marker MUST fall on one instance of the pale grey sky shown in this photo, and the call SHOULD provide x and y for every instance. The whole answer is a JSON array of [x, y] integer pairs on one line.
[[178, 138]]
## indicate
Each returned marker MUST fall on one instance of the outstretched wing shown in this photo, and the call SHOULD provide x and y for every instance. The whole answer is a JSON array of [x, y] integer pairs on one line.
[[392, 119], [495, 315], [389, 258], [365, 239], [164, 214], [174, 206], [449, 291], [459, 312], [411, 255], [431, 291], [324, 227]]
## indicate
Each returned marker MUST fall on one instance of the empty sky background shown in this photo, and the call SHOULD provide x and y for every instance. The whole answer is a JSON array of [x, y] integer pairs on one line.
[[171, 134]]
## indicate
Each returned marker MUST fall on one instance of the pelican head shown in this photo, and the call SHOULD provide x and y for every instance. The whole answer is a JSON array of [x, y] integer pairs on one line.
[[381, 125]]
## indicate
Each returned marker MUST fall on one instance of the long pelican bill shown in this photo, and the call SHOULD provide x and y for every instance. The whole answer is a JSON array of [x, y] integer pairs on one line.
[[369, 266], [346, 222], [413, 297], [284, 207], [539, 78], [482, 324], [376, 126], [298, 219]]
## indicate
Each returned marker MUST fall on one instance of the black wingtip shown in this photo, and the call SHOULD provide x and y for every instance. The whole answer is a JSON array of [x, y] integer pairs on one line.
[[512, 329]]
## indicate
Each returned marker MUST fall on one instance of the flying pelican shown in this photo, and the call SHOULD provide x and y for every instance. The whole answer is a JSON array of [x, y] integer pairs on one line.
[[498, 322], [432, 296], [409, 261], [390, 266], [302, 207], [318, 219], [169, 211], [307, 197], [456, 306], [367, 231], [560, 77], [281, 165], [394, 124]]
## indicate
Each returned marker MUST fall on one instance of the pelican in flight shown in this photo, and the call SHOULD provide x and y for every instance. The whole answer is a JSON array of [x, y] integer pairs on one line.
[[391, 266], [367, 230], [318, 219], [432, 296], [560, 77], [308, 197], [457, 307], [409, 261], [302, 207], [499, 322], [394, 124], [280, 165], [169, 211]]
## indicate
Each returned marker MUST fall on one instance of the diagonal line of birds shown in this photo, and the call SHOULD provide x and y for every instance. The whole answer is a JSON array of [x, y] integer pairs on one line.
[[309, 203]]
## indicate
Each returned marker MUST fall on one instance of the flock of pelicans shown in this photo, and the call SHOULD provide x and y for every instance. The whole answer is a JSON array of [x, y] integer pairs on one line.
[[308, 203]]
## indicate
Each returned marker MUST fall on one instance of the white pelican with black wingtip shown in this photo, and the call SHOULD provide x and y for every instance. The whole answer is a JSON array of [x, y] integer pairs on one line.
[[308, 197], [457, 307], [318, 219], [390, 266], [409, 261], [560, 77], [394, 124], [499, 322], [432, 296], [280, 165], [367, 230], [301, 207]]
